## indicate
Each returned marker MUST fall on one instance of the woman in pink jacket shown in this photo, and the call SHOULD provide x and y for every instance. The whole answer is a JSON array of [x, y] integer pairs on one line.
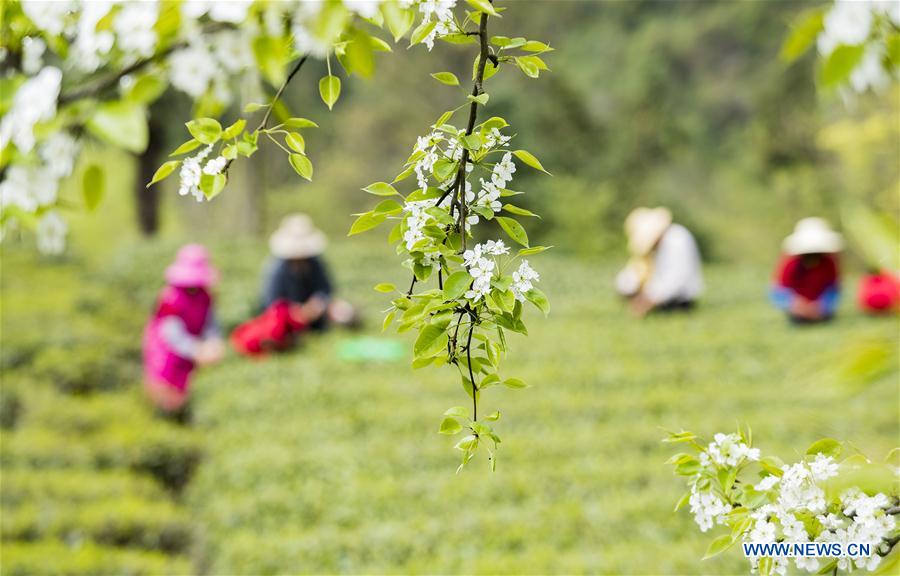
[[182, 332]]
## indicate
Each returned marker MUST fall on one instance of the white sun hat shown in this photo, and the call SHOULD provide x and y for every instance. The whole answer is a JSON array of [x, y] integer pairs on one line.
[[297, 237], [644, 227], [813, 236]]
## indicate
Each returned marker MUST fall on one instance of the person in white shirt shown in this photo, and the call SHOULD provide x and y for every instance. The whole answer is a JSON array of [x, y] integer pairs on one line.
[[665, 271]]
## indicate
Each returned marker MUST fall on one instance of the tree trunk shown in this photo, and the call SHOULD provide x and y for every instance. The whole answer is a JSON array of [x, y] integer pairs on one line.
[[147, 199]]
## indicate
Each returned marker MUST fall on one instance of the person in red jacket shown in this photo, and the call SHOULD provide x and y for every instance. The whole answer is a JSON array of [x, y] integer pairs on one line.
[[807, 280]]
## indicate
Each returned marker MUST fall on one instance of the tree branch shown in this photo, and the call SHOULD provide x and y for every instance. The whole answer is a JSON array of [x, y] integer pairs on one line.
[[110, 80], [477, 90], [278, 94]]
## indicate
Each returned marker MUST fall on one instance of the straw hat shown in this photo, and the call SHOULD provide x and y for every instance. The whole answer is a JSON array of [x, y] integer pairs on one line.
[[813, 236], [296, 237], [644, 227], [191, 268]]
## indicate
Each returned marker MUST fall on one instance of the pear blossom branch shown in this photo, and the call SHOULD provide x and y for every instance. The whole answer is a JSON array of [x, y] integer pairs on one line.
[[280, 91]]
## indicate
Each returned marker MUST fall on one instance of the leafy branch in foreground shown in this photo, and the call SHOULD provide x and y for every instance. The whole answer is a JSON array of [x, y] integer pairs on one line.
[[480, 290], [818, 499]]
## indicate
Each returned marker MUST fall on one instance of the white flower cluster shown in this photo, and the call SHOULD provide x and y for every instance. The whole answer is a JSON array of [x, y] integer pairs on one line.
[[489, 195], [481, 266], [35, 101], [797, 510], [523, 279], [192, 169], [727, 450], [850, 23], [441, 11]]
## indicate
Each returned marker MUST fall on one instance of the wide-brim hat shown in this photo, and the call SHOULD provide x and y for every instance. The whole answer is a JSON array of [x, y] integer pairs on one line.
[[644, 227], [813, 236], [297, 237], [191, 268]]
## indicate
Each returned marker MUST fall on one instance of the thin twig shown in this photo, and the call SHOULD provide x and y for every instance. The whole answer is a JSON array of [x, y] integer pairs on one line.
[[278, 94]]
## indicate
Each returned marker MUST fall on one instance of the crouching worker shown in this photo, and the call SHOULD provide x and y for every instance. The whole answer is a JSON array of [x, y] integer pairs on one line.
[[807, 281], [665, 271], [182, 333]]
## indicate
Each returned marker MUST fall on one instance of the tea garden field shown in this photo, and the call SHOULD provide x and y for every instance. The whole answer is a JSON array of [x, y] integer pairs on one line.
[[320, 461]]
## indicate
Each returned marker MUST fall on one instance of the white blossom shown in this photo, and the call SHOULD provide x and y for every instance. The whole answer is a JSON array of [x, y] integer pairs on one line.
[[503, 171], [848, 22], [364, 8], [27, 187], [766, 483], [91, 47], [191, 70], [870, 72], [51, 233], [823, 467], [522, 280], [215, 166], [728, 450], [58, 153], [190, 175], [48, 16], [134, 27], [32, 55], [35, 101], [708, 509]]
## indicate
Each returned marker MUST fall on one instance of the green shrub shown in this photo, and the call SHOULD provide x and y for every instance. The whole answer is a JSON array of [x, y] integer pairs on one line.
[[167, 452], [49, 557], [23, 485], [82, 368], [121, 521], [49, 410]]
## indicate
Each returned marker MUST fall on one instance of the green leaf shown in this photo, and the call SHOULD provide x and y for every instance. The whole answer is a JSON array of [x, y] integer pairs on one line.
[[483, 6], [330, 90], [458, 412], [718, 546], [432, 339], [254, 107], [840, 64], [450, 426], [385, 287], [186, 147], [682, 502], [122, 124], [539, 299], [514, 229], [528, 67], [387, 320], [92, 186], [448, 78], [212, 184], [272, 55], [162, 172], [301, 165], [467, 444], [422, 31], [359, 55], [826, 446], [387, 207], [399, 21], [365, 222], [381, 189], [206, 130], [514, 383], [481, 99], [803, 34], [494, 416], [147, 89], [295, 142], [533, 250], [513, 209], [529, 158], [471, 142], [234, 130], [299, 123], [535, 46], [443, 119], [456, 285]]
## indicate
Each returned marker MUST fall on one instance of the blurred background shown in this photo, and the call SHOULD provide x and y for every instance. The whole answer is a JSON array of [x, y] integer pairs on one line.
[[321, 462]]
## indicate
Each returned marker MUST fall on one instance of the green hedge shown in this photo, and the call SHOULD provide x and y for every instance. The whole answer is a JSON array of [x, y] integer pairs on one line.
[[85, 367], [22, 486], [50, 557], [167, 452], [154, 524]]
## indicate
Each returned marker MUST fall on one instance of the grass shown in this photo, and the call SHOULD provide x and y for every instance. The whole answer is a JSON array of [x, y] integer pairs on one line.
[[316, 464], [319, 465]]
